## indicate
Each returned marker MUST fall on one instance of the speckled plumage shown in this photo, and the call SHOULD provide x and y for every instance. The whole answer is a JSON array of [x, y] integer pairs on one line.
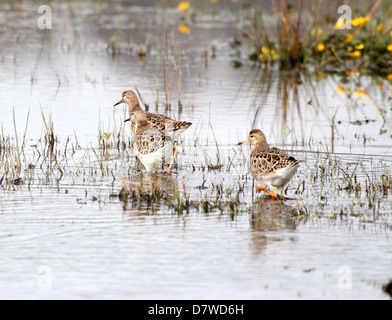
[[151, 145], [270, 166], [155, 120], [148, 140]]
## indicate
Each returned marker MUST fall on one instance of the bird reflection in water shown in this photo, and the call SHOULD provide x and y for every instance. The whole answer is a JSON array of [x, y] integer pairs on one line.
[[268, 217]]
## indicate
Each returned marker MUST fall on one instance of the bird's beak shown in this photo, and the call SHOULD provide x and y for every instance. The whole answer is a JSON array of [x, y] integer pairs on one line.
[[129, 119], [243, 142], [121, 101]]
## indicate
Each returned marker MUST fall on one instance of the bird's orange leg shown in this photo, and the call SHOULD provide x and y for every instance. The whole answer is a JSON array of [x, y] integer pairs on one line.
[[271, 193], [175, 149]]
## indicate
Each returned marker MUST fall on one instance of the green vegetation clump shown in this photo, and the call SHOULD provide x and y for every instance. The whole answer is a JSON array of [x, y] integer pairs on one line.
[[321, 37]]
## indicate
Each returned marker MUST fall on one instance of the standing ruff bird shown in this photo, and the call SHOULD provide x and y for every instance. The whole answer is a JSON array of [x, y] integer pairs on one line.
[[155, 120], [270, 166], [150, 144], [168, 128]]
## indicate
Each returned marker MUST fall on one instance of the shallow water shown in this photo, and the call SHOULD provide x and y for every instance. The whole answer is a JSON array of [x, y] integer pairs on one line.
[[69, 237]]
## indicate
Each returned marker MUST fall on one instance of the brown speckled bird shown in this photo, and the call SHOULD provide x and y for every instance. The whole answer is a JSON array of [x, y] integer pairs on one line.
[[151, 145], [155, 120], [270, 166]]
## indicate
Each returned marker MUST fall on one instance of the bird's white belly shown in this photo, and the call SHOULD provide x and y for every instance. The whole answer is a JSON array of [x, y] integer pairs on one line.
[[280, 178], [150, 160]]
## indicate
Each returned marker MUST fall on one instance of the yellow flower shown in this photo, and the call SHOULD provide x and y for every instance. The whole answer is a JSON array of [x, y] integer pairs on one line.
[[184, 29], [360, 46], [349, 38], [380, 27], [389, 77], [268, 55], [268, 58], [274, 55], [391, 34], [265, 50], [361, 92], [360, 21], [183, 6], [355, 54], [389, 48], [320, 47], [340, 23], [340, 89]]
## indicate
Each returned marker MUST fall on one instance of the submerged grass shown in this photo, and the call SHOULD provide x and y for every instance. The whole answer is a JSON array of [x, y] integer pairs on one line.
[[159, 193], [328, 184]]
